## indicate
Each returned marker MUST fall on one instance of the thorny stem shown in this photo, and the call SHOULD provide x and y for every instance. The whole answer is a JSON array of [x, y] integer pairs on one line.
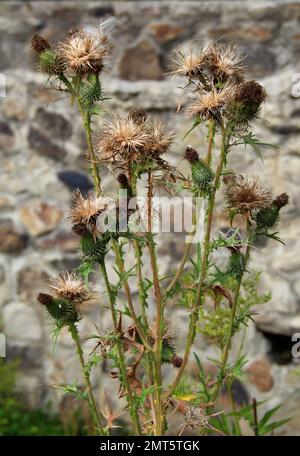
[[226, 351], [211, 135], [92, 402], [92, 156], [122, 363], [159, 314], [206, 245], [121, 267]]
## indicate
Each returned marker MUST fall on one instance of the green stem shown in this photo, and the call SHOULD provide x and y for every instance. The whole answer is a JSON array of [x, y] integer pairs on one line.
[[205, 250], [121, 267], [226, 351], [160, 420], [92, 402], [123, 370]]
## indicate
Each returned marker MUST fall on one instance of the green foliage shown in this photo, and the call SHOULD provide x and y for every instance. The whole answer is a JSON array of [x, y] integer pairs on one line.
[[15, 418], [226, 422], [256, 144]]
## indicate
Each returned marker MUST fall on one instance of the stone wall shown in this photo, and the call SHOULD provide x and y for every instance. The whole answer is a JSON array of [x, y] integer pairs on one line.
[[41, 163]]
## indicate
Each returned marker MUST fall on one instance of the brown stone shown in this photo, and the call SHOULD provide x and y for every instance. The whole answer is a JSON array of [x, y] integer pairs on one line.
[[253, 33], [40, 217], [53, 123], [141, 62], [44, 146], [31, 281], [165, 32], [11, 240], [6, 136], [66, 241], [259, 373]]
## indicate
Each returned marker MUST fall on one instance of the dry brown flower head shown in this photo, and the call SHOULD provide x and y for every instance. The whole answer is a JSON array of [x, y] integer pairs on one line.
[[226, 64], [209, 105], [84, 52], [246, 195], [189, 64], [84, 212], [69, 286]]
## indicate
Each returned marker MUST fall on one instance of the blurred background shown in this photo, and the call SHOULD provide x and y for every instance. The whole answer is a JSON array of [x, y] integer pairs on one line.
[[42, 145]]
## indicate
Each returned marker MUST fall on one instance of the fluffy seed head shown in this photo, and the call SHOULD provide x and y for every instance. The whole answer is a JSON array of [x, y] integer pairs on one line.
[[246, 195], [121, 140], [159, 141], [225, 64], [138, 116], [84, 52], [190, 64], [209, 105], [69, 286], [84, 212], [39, 44]]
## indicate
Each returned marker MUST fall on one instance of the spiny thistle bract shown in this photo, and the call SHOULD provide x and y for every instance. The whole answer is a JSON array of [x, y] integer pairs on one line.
[[202, 174], [94, 249], [268, 217], [236, 264], [91, 90], [246, 102], [49, 62], [61, 310]]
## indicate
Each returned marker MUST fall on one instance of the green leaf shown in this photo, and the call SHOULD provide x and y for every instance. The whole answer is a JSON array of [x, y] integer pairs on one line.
[[252, 141]]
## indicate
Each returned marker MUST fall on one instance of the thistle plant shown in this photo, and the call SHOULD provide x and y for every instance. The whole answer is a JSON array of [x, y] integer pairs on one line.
[[217, 299]]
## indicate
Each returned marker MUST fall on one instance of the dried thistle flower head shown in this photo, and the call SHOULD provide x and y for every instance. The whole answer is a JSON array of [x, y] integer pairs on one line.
[[85, 52], [225, 64], [209, 105], [246, 101], [246, 195], [69, 286], [159, 141], [84, 212], [39, 44], [138, 116], [190, 64], [121, 140], [45, 299]]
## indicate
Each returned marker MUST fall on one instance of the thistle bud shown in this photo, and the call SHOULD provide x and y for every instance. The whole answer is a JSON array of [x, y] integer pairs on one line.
[[268, 217], [191, 155], [39, 44], [281, 200], [49, 62], [247, 99], [61, 310], [176, 361]]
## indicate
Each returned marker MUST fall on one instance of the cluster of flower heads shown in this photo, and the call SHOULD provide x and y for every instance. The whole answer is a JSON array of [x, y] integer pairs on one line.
[[81, 53], [134, 139], [218, 90]]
